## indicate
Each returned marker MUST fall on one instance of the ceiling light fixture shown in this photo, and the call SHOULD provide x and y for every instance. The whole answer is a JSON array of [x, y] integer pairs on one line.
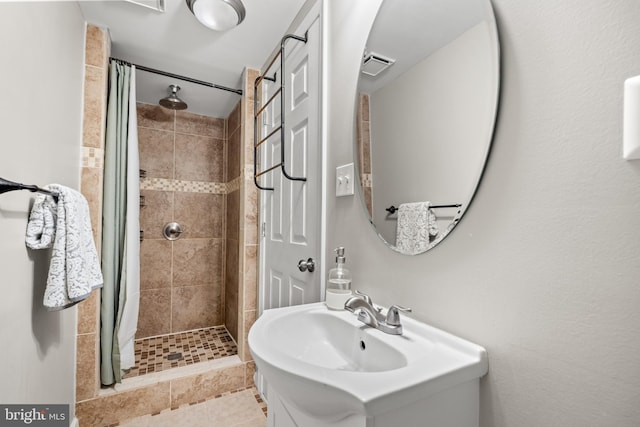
[[219, 15]]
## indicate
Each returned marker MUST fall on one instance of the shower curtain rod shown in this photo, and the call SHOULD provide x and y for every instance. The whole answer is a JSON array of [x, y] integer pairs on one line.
[[177, 76]]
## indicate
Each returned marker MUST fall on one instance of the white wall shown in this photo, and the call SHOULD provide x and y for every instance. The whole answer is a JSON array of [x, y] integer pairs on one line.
[[544, 268], [42, 75]]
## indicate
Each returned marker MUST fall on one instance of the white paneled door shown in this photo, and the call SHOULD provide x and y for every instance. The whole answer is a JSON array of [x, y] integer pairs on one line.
[[291, 212]]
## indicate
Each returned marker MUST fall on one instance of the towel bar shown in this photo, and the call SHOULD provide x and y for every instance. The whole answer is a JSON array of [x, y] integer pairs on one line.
[[258, 111], [392, 209], [6, 186]]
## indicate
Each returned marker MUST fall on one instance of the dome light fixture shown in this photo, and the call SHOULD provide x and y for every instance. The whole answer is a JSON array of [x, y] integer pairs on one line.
[[219, 15]]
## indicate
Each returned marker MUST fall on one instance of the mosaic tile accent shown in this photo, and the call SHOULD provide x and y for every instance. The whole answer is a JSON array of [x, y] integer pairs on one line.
[[92, 157], [365, 178], [162, 184], [163, 352]]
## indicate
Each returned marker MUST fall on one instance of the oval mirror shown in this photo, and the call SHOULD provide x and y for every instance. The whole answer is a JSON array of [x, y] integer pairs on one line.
[[426, 108]]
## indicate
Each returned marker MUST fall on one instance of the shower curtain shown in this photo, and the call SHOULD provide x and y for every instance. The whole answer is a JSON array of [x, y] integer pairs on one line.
[[120, 228]]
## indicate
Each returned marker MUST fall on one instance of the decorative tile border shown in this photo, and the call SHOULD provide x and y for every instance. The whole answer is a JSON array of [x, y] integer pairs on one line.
[[365, 178], [92, 157], [162, 184]]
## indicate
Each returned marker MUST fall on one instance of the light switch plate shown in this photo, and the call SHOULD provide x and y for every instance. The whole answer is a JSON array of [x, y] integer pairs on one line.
[[345, 180]]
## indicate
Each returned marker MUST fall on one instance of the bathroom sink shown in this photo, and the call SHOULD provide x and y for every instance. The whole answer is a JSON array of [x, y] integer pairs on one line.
[[328, 365]]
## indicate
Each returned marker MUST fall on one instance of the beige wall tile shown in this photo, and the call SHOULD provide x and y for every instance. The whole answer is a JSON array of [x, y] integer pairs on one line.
[[234, 147], [155, 117], [248, 122], [195, 307], [366, 148], [155, 264], [157, 212], [111, 409], [199, 158], [250, 277], [250, 317], [198, 262], [94, 107], [250, 371], [206, 386], [91, 188], [233, 215], [88, 314], [240, 340], [231, 288], [250, 224], [368, 201], [364, 107], [196, 124], [156, 149], [96, 52], [200, 214], [87, 357], [95, 45], [154, 318], [233, 121]]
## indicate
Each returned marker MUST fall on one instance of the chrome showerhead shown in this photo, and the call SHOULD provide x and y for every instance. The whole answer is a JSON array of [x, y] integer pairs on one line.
[[172, 102]]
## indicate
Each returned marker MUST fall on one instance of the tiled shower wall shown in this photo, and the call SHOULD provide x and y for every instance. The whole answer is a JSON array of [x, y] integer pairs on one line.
[[241, 298], [233, 222], [97, 49], [181, 282]]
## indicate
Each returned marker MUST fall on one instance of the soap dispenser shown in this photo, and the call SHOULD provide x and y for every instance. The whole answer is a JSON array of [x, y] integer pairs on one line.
[[339, 283]]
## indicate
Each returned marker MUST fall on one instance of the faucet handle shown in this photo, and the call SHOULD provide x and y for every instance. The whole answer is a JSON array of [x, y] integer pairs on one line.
[[393, 317], [365, 297]]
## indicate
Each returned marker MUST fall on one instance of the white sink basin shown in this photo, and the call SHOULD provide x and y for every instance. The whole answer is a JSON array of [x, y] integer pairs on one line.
[[329, 365]]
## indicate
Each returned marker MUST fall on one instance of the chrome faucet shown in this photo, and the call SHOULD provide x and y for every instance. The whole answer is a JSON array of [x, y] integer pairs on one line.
[[367, 313]]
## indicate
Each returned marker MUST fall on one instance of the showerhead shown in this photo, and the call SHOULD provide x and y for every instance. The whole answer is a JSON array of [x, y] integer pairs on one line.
[[172, 102]]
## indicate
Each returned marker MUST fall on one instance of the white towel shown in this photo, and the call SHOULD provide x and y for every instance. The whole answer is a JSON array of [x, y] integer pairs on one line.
[[74, 270], [416, 225]]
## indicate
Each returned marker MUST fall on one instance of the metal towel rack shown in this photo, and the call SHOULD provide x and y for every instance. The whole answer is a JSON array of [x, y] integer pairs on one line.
[[6, 186], [281, 92], [392, 209]]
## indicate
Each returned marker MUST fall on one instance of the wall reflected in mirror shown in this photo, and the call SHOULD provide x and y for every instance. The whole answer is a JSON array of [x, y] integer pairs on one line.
[[426, 106]]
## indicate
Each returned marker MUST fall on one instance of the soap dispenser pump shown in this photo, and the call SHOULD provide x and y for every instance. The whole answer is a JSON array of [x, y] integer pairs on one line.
[[339, 283]]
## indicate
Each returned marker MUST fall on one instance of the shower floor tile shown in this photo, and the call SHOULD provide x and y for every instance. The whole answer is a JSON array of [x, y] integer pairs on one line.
[[164, 352]]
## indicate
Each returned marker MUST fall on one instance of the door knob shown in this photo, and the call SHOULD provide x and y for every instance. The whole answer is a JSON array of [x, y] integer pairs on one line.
[[308, 265]]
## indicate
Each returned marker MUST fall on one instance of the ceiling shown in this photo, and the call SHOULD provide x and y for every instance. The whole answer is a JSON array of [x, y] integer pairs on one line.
[[174, 41]]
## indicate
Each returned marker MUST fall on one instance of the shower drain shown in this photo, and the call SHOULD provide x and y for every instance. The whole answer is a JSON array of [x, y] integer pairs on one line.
[[174, 356]]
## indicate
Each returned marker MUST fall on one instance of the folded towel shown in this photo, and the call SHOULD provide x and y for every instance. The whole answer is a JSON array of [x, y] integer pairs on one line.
[[416, 225], [74, 270]]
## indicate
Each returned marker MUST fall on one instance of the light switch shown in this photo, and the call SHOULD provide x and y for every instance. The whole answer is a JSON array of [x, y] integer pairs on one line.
[[345, 180]]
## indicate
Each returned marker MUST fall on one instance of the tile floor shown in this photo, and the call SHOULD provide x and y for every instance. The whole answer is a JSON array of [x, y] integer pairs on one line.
[[181, 349], [242, 408]]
